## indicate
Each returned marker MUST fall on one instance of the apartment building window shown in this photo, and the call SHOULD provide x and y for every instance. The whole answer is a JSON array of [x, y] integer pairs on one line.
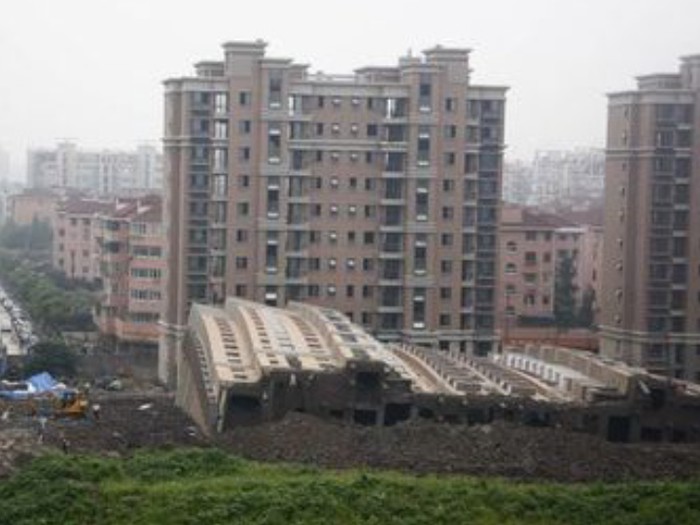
[[274, 143], [530, 278], [240, 290], [369, 157], [367, 265], [369, 184], [219, 185], [448, 213], [221, 103], [447, 239], [419, 308], [450, 158], [448, 185], [366, 291], [244, 98], [314, 290], [425, 93], [220, 159], [244, 181], [241, 263], [445, 320], [529, 299], [275, 89], [422, 200], [242, 209], [221, 129], [335, 129], [336, 102], [446, 267], [470, 163], [273, 201], [450, 105], [450, 131], [368, 238], [330, 290], [244, 127], [370, 212], [244, 154], [530, 258], [530, 236], [372, 130], [445, 293], [423, 146]]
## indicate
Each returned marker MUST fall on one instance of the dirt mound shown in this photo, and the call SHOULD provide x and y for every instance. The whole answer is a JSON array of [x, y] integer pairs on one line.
[[128, 422], [494, 450]]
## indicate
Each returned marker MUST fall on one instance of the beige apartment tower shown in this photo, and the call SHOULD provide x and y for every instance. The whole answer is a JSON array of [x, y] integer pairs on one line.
[[376, 194], [651, 282]]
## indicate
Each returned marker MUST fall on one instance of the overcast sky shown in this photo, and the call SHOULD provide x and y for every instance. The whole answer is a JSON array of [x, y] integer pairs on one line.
[[92, 69]]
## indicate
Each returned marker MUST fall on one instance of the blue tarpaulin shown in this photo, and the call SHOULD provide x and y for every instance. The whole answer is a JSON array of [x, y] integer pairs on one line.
[[42, 382]]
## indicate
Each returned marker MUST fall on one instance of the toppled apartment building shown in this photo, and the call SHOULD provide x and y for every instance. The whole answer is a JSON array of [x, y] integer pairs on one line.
[[248, 363]]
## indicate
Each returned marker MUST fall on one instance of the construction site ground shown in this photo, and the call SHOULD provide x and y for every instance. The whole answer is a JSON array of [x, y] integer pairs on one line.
[[131, 421]]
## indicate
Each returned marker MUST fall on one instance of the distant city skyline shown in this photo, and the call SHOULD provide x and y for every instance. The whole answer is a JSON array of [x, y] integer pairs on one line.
[[93, 70]]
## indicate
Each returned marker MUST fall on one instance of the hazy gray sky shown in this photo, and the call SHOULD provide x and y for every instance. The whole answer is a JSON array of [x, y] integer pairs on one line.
[[92, 69]]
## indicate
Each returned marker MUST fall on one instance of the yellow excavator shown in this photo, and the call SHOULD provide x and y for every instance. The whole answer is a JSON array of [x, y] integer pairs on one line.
[[71, 404]]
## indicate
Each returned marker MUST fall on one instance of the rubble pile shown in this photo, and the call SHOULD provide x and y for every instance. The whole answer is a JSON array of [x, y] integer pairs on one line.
[[126, 422], [500, 449]]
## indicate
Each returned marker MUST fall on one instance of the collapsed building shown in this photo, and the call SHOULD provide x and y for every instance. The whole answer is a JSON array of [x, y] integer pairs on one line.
[[248, 363]]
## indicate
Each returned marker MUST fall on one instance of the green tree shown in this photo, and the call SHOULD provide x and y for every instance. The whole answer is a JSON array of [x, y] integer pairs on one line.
[[564, 293], [54, 357]]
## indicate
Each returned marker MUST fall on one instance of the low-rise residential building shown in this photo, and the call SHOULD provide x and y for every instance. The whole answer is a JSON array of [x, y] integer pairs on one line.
[[132, 267], [32, 205], [533, 245], [76, 229]]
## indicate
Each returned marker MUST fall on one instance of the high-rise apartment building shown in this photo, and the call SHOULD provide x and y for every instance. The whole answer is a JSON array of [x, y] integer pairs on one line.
[[98, 172], [376, 194], [651, 285]]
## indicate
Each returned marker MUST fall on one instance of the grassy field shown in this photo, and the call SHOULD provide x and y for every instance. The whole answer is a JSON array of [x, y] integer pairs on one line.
[[209, 487]]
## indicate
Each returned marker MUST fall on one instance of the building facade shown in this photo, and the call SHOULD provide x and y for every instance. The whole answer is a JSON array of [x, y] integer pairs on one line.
[[31, 205], [650, 307], [98, 172], [375, 193], [132, 270], [533, 244], [76, 228]]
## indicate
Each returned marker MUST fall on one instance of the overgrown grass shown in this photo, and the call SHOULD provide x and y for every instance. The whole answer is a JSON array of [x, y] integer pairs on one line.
[[210, 487]]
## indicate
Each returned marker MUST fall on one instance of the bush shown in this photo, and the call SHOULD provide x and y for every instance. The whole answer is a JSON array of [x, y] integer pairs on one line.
[[54, 357]]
